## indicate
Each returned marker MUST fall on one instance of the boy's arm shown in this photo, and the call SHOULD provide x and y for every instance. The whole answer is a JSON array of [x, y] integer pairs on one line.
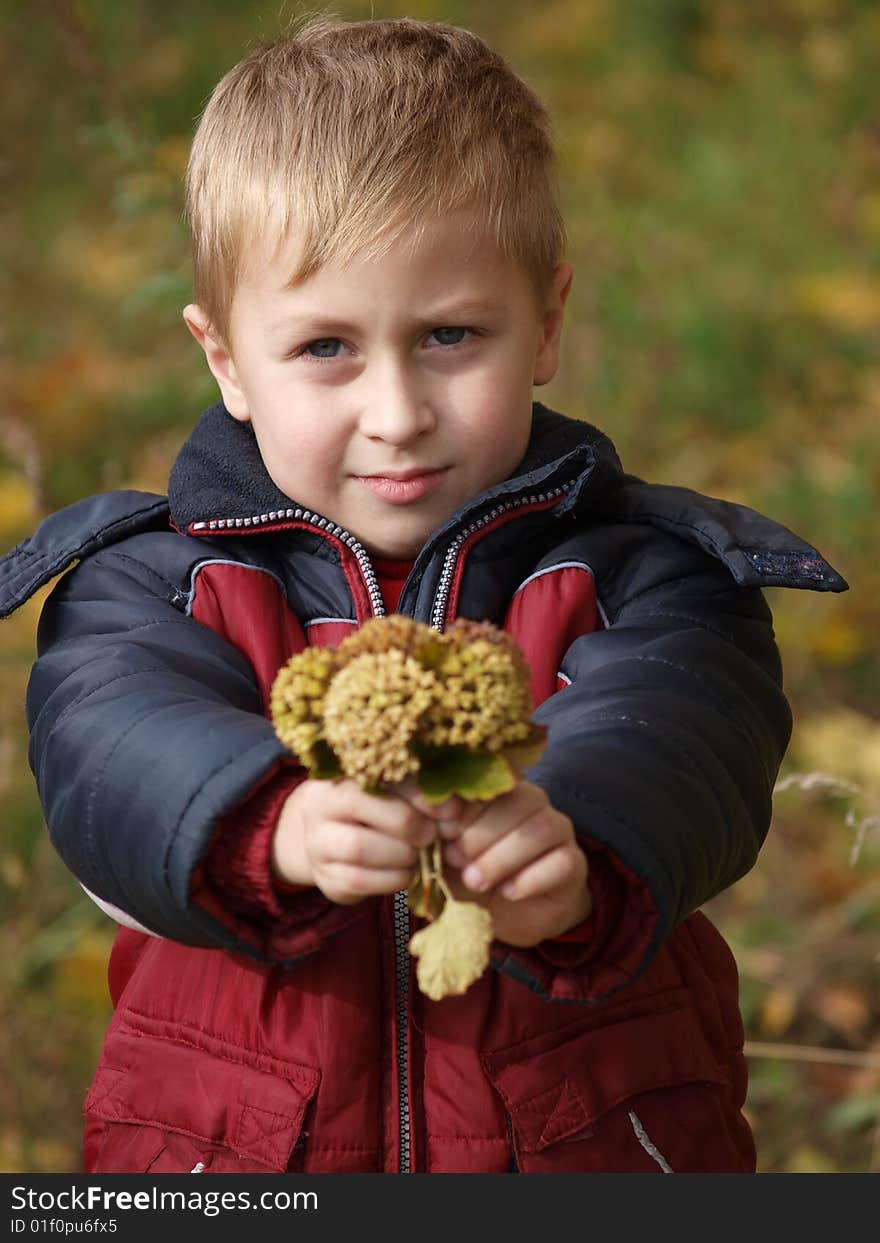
[[663, 751], [146, 730]]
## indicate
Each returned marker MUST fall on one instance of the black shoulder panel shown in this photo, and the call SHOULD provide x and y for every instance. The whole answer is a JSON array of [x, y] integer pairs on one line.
[[73, 533], [758, 551]]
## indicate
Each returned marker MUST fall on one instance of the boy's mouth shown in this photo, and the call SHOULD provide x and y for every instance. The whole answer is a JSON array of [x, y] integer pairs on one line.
[[403, 487]]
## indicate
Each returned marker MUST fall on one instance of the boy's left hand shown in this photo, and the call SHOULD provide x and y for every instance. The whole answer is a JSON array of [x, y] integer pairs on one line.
[[518, 857]]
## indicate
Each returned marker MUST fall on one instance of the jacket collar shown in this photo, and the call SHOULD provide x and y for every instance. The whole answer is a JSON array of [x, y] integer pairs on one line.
[[219, 472]]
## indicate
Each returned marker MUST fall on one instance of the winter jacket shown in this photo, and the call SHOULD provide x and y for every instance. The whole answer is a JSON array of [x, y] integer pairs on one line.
[[301, 1042]]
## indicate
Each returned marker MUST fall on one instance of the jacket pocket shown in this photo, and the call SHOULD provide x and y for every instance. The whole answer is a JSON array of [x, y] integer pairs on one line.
[[641, 1095], [167, 1106]]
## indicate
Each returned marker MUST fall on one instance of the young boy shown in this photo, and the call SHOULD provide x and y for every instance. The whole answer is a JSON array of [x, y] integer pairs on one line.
[[379, 284]]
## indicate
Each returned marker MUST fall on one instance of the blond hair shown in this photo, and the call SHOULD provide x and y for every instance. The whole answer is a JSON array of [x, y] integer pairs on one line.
[[346, 134]]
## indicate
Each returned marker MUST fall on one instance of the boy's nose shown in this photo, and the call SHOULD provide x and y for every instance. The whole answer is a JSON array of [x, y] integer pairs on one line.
[[395, 408]]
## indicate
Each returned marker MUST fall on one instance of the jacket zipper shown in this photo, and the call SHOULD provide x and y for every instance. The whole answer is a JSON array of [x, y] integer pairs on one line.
[[377, 604], [401, 910], [401, 1030], [438, 620], [514, 1163], [441, 599]]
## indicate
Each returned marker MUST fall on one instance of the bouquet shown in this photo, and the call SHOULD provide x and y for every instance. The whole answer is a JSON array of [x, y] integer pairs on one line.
[[398, 699]]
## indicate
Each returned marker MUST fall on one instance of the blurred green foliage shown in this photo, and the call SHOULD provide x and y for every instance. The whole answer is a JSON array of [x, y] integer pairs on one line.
[[719, 173]]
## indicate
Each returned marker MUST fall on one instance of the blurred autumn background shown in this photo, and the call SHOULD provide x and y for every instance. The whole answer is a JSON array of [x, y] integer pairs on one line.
[[721, 179]]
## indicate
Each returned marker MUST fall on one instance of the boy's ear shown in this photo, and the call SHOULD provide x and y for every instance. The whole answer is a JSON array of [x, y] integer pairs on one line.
[[547, 357], [219, 360]]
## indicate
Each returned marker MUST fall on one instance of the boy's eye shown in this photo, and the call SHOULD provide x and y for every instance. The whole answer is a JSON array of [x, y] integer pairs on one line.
[[324, 347], [449, 336]]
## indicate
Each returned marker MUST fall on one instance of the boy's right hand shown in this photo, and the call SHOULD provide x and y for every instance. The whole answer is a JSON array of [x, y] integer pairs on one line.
[[348, 843]]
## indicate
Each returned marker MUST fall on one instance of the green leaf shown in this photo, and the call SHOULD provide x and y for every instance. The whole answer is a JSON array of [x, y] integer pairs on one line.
[[323, 764], [523, 755], [445, 771]]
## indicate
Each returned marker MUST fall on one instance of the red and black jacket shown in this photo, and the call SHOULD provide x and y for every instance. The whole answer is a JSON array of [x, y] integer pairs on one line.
[[654, 666]]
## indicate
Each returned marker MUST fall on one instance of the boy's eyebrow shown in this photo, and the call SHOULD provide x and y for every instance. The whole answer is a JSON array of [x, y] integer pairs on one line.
[[445, 314]]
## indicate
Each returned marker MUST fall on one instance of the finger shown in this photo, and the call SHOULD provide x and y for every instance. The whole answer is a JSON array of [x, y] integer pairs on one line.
[[509, 852], [556, 870], [385, 813], [481, 812], [470, 812], [499, 817], [345, 884], [460, 891], [355, 845]]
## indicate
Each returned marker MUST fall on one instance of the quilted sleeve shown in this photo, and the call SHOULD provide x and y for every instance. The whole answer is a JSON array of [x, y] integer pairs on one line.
[[147, 730], [665, 746]]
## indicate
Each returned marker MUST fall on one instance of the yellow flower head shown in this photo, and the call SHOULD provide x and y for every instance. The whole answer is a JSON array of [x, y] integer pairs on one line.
[[297, 700], [372, 712]]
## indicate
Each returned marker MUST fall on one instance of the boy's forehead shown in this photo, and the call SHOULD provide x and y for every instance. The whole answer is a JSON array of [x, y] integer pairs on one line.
[[457, 249]]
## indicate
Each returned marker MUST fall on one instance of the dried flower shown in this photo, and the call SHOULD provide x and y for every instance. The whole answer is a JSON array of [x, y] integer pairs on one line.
[[297, 702], [397, 699], [372, 712], [485, 701]]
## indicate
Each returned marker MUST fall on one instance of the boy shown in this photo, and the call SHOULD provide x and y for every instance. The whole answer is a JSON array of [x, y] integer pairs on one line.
[[379, 283]]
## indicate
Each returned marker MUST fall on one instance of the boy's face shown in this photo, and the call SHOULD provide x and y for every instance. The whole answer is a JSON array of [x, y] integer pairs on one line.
[[387, 392]]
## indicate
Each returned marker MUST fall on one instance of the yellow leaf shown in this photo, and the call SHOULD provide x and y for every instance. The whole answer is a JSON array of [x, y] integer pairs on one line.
[[869, 213], [807, 1159], [453, 951], [778, 1010], [80, 978], [12, 873], [17, 508], [846, 1009], [843, 300], [53, 1156], [838, 643], [558, 26], [12, 1158], [170, 156], [845, 743], [826, 55]]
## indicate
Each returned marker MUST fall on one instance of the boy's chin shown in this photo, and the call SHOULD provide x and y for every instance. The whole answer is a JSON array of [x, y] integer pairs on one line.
[[395, 545], [393, 551]]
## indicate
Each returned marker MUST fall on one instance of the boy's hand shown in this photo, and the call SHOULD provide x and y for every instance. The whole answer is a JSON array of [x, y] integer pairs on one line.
[[518, 857], [351, 844]]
